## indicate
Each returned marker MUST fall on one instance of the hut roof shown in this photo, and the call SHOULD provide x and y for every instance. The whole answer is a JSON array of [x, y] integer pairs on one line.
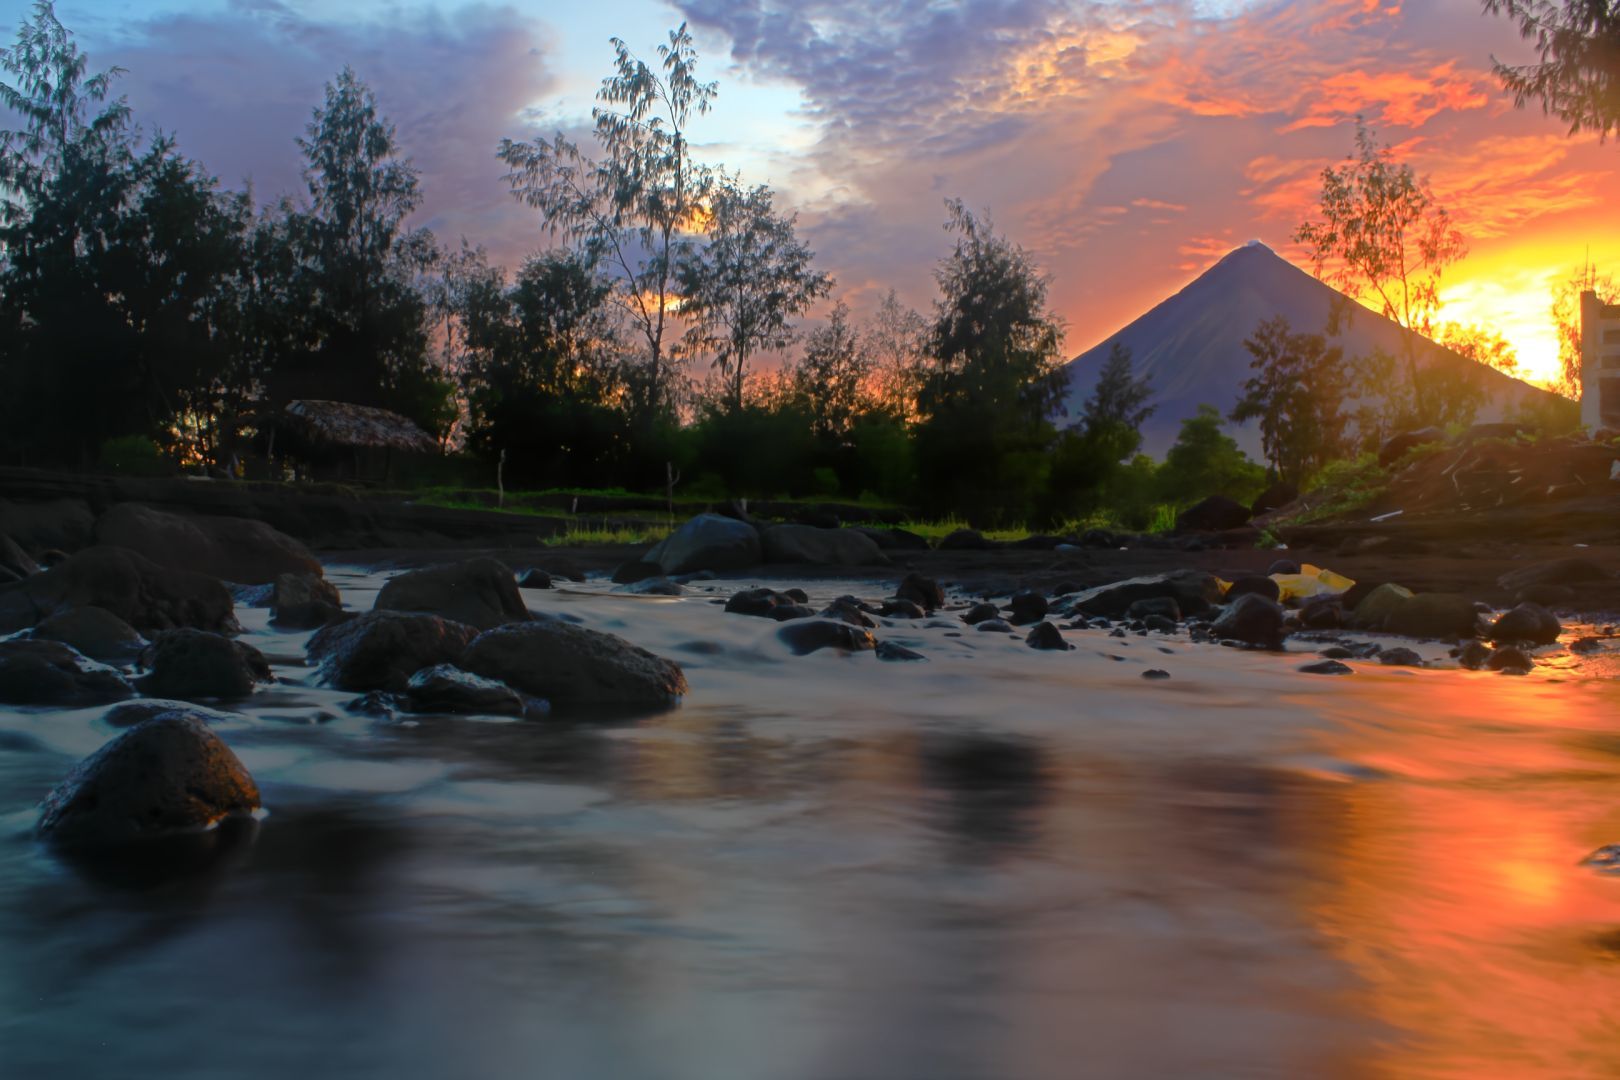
[[341, 425]]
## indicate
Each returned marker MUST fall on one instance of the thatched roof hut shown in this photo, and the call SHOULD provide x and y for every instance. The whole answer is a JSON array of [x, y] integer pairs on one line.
[[329, 426]]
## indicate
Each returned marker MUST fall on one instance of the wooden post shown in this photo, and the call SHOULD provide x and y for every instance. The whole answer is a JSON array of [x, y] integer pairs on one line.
[[500, 483]]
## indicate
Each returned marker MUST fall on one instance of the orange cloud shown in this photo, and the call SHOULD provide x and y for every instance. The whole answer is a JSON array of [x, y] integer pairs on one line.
[[1399, 98]]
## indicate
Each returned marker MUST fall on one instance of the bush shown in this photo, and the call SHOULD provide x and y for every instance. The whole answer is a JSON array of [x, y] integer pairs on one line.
[[135, 455]]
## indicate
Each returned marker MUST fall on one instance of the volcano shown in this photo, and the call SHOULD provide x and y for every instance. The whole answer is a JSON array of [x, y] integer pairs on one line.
[[1191, 345]]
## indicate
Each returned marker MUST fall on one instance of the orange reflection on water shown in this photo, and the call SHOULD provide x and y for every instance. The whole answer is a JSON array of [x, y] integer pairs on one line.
[[1451, 884]]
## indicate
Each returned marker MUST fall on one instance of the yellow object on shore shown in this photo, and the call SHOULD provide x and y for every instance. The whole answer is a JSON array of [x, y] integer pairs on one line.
[[1312, 581]]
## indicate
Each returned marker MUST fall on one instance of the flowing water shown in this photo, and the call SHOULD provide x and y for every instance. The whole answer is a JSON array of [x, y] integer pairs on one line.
[[998, 864]]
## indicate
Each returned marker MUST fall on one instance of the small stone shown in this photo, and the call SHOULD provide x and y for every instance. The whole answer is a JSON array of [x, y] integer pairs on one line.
[[978, 613], [888, 650], [1046, 636], [1155, 674], [1400, 657], [1327, 667]]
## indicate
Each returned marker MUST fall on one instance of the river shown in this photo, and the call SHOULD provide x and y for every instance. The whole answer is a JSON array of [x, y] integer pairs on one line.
[[998, 864]]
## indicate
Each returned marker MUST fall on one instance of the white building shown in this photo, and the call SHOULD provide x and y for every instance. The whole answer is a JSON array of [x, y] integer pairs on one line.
[[1600, 363]]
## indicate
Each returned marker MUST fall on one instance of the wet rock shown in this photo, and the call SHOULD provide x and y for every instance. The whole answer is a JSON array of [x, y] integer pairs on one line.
[[1400, 656], [479, 592], [845, 610], [51, 673], [1327, 667], [445, 688], [1155, 674], [304, 602], [895, 608], [147, 596], [1474, 655], [994, 626], [190, 664], [1027, 608], [376, 703], [1322, 613], [813, 634], [235, 549], [797, 595], [129, 713], [14, 560], [1441, 616], [1163, 606], [380, 650], [631, 572], [1586, 646], [162, 777], [1511, 661], [1372, 611], [1253, 620], [1529, 623], [573, 667], [967, 540], [1254, 585], [1569, 571], [822, 547], [707, 542], [658, 586], [981, 612], [767, 604], [1192, 590], [922, 591], [95, 632], [1046, 636], [47, 524], [1158, 624], [888, 650], [1214, 514], [534, 579]]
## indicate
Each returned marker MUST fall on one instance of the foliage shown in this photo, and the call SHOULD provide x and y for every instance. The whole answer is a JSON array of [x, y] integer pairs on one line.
[[1566, 315], [1578, 45], [1382, 236], [1297, 394], [830, 378], [1343, 485], [743, 284], [134, 455], [1206, 461], [634, 209], [1118, 406]]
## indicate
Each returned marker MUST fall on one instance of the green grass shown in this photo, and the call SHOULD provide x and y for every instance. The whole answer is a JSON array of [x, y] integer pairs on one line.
[[586, 536], [935, 531]]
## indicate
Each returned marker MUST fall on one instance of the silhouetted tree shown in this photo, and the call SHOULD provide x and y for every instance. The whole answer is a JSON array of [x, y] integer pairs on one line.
[[1578, 43], [1207, 461], [831, 376], [1298, 395], [1118, 406]]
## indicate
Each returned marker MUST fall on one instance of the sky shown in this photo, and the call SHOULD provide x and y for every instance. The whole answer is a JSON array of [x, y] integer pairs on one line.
[[1126, 145]]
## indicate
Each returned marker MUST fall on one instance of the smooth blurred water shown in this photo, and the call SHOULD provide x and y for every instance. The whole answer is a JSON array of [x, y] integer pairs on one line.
[[998, 864]]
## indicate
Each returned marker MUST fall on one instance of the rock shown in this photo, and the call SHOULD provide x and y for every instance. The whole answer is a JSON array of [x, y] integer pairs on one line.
[[980, 612], [1570, 571], [888, 650], [1165, 607], [190, 664], [1251, 619], [844, 610], [811, 634], [1214, 514], [967, 540], [1399, 446], [162, 777], [1158, 624], [893, 539], [1442, 616], [1529, 623], [380, 650], [51, 673], [924, 592], [1586, 646], [1511, 661], [895, 608], [14, 560], [1027, 608], [95, 632], [534, 579], [1322, 613], [445, 688], [797, 595], [823, 547], [767, 604], [304, 602], [1046, 636], [1373, 610], [236, 549], [1283, 566], [479, 592], [1155, 674], [1275, 497], [656, 586], [1474, 655], [1400, 656], [147, 596], [707, 542], [573, 667], [48, 524], [1192, 590], [376, 703], [129, 713], [994, 626], [1254, 585], [631, 572], [1326, 667]]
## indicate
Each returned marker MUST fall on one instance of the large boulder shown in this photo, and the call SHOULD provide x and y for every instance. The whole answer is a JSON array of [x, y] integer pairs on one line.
[[924, 592], [706, 542], [1569, 571], [825, 547], [480, 592], [445, 688], [893, 539], [190, 664], [51, 673], [573, 667], [236, 549], [1445, 616], [1192, 590], [15, 563], [1372, 611], [162, 777], [304, 602], [767, 604], [1529, 623], [147, 596], [810, 635], [95, 632], [1252, 619], [1214, 514], [380, 650], [62, 524]]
